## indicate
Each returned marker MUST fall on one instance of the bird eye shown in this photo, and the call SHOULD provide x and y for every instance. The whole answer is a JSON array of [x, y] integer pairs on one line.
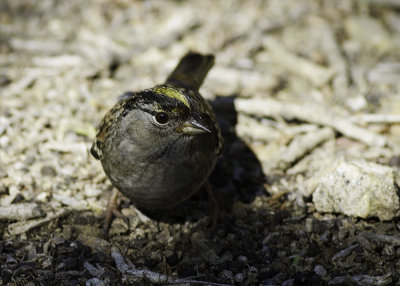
[[161, 118]]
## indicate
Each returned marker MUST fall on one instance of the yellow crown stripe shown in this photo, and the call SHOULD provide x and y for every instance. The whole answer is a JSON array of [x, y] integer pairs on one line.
[[173, 93]]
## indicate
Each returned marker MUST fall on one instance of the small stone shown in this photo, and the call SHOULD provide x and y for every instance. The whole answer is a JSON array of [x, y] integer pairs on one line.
[[11, 261], [85, 229], [96, 282], [95, 243], [358, 188], [388, 250], [92, 192], [320, 270], [239, 277], [48, 262], [266, 250], [294, 247], [118, 226], [281, 254], [253, 269], [48, 171], [133, 218], [137, 233], [31, 253], [29, 160], [58, 240], [42, 197], [226, 276], [231, 237], [308, 227]]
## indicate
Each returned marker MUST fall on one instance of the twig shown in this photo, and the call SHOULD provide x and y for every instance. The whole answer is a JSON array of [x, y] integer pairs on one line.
[[20, 85], [375, 118], [309, 113], [382, 237], [58, 61], [93, 270], [333, 52], [48, 46], [302, 145], [316, 74], [20, 211], [344, 252], [388, 73], [267, 130], [230, 80], [363, 280], [22, 227], [148, 276]]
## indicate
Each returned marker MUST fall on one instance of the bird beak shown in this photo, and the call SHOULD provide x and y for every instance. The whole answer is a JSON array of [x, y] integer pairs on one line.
[[194, 126]]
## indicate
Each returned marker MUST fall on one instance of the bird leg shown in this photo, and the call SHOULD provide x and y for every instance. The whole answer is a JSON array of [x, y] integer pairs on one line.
[[111, 211]]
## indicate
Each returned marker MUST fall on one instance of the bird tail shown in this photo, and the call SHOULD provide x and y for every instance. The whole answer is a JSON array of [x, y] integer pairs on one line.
[[191, 71]]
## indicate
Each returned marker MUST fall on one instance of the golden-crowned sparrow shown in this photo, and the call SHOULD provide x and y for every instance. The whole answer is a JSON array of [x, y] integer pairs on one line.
[[159, 145]]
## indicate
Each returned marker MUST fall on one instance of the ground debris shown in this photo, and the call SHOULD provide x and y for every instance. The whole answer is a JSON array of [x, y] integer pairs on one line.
[[309, 113], [297, 85], [20, 211], [358, 188], [22, 227], [366, 280], [134, 275], [394, 240]]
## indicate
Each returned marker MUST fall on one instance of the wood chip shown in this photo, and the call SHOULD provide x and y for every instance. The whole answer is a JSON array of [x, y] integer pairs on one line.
[[22, 211], [22, 227], [309, 113]]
